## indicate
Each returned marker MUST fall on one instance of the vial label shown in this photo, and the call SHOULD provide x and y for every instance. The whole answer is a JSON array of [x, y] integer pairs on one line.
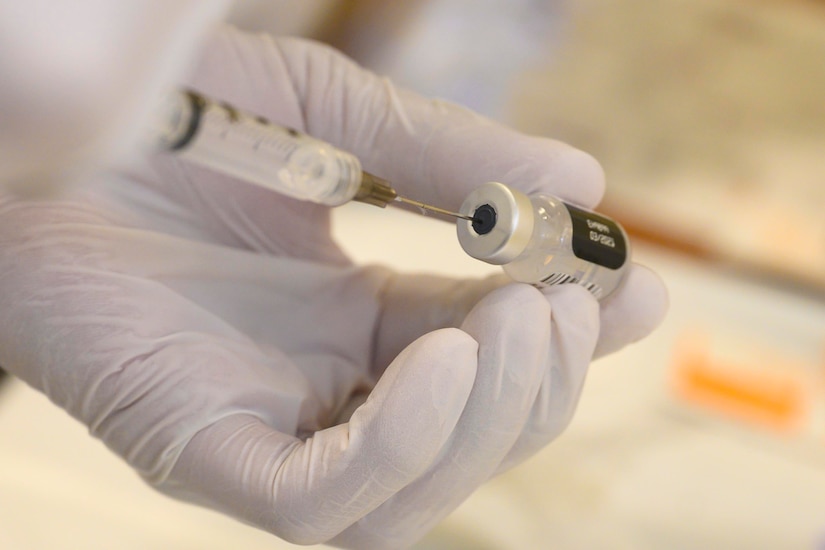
[[597, 239]]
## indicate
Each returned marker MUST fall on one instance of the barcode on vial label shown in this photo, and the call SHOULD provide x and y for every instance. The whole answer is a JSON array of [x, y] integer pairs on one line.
[[564, 278]]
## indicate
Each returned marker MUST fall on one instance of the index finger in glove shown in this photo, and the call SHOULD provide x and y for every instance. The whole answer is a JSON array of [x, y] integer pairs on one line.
[[512, 327], [575, 329]]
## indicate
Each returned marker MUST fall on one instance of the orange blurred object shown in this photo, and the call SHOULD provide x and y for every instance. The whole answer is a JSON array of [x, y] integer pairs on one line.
[[760, 389]]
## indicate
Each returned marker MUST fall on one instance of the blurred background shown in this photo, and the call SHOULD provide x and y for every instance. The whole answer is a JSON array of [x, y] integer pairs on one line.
[[708, 117]]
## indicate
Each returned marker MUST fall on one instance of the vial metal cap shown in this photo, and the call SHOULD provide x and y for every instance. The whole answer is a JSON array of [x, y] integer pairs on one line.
[[511, 221]]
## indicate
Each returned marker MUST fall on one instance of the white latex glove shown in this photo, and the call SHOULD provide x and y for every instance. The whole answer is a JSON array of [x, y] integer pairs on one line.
[[214, 336]]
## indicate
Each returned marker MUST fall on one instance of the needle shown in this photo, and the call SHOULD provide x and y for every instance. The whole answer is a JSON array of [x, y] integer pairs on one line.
[[437, 210]]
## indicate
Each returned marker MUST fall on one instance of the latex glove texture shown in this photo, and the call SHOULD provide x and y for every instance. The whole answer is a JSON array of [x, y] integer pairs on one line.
[[214, 336]]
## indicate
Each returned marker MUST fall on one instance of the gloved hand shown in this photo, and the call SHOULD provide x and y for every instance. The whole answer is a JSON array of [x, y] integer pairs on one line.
[[214, 336]]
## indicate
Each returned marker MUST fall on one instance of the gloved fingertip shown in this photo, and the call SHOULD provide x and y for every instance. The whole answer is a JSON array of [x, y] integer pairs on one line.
[[633, 311], [513, 327], [444, 362], [417, 402]]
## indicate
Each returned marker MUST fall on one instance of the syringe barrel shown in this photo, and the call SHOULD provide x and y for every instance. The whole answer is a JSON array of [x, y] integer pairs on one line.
[[220, 137]]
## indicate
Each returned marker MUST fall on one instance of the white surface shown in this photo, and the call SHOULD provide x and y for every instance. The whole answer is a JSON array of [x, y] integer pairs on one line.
[[631, 472]]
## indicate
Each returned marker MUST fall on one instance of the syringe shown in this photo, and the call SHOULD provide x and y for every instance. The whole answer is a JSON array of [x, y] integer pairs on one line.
[[539, 240], [251, 148]]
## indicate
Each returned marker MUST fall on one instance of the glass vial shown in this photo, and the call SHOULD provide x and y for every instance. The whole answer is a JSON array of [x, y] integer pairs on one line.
[[543, 240]]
